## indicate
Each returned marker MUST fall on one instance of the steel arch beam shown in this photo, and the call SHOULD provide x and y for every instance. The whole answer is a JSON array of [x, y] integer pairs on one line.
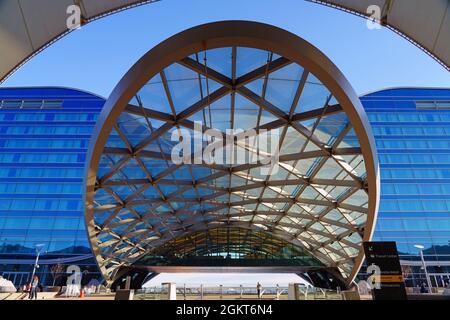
[[232, 34]]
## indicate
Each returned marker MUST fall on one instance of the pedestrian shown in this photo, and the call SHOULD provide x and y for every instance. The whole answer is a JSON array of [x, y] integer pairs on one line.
[[258, 290], [34, 288], [28, 287], [423, 288]]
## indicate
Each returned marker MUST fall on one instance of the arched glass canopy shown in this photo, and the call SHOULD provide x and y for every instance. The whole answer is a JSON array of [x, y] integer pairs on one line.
[[319, 193]]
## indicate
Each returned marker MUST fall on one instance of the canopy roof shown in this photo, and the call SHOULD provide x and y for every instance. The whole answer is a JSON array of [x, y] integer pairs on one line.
[[319, 193], [424, 23], [28, 26]]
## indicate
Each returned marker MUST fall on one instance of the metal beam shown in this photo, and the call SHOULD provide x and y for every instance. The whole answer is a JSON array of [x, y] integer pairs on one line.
[[261, 71], [206, 72]]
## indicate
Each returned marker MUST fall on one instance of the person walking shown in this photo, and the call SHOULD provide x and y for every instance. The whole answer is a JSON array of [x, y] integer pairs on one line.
[[258, 290], [34, 288], [423, 288]]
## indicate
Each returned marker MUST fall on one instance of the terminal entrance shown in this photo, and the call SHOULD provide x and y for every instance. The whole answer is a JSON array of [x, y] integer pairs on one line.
[[230, 250], [229, 247]]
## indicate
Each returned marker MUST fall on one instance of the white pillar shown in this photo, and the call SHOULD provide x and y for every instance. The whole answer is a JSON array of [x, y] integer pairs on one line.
[[293, 291], [201, 292], [171, 290], [128, 283]]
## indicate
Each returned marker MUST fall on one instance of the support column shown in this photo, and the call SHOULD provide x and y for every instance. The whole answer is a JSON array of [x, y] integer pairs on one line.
[[293, 291], [171, 290]]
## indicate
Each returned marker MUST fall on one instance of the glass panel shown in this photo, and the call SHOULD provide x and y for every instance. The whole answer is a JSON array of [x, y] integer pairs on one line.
[[314, 95], [283, 85]]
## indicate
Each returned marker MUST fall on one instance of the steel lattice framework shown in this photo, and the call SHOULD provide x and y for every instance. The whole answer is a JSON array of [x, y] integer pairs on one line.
[[323, 195]]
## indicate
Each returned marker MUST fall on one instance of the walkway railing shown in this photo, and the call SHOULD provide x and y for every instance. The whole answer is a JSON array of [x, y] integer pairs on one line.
[[207, 292]]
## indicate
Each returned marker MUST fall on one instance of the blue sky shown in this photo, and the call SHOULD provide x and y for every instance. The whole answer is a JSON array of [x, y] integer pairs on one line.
[[95, 57]]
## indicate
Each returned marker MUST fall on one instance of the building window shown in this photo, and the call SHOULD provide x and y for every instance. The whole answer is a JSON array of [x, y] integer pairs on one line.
[[52, 104], [32, 104], [11, 104], [37, 104], [433, 105]]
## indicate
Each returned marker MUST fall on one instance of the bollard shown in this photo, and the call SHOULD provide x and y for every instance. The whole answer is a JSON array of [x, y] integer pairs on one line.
[[123, 294]]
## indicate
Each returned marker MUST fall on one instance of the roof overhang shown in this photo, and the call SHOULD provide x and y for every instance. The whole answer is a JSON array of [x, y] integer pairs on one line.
[[28, 27], [426, 24]]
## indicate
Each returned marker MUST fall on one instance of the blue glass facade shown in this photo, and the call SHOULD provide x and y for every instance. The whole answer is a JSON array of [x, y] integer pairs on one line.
[[44, 135], [412, 133]]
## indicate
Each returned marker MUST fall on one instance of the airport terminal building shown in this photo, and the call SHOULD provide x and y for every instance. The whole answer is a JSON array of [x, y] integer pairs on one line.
[[411, 129], [45, 134], [277, 166], [92, 182]]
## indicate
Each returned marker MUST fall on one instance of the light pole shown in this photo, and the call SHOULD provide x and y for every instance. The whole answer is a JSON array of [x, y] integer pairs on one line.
[[38, 253], [424, 266]]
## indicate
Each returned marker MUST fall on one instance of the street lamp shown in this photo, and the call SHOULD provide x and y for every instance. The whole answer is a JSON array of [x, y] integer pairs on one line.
[[39, 248], [424, 266]]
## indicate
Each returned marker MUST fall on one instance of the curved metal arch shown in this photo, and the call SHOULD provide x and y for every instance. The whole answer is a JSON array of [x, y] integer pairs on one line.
[[232, 34]]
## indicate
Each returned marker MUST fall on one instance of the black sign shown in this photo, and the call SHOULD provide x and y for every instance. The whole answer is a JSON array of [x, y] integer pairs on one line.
[[383, 265]]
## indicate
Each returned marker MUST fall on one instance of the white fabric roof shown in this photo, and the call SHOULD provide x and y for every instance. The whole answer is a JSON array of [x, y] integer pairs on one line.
[[425, 23], [28, 26]]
